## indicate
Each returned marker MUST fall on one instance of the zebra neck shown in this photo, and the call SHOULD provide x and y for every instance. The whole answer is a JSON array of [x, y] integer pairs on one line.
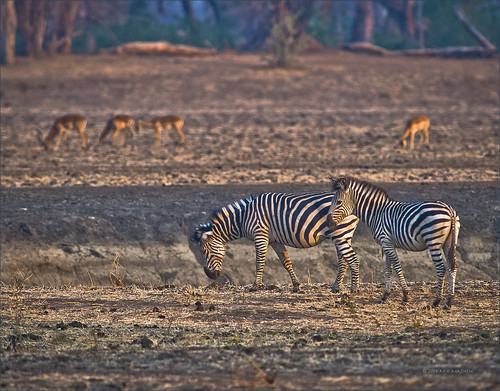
[[368, 203], [228, 221]]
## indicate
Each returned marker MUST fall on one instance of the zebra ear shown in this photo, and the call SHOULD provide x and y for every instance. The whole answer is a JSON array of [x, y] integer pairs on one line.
[[199, 232], [339, 183], [342, 183]]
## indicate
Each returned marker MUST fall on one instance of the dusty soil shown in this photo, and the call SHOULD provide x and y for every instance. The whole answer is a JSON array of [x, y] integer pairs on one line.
[[248, 123], [249, 128], [83, 338]]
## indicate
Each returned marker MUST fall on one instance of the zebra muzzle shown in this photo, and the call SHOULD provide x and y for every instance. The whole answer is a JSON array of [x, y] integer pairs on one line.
[[213, 274], [331, 222]]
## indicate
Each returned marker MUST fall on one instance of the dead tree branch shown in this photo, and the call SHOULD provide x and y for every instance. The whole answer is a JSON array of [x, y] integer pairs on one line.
[[480, 37]]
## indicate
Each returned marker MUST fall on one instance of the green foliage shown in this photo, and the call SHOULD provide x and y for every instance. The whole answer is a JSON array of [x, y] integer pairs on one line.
[[393, 41], [444, 28], [323, 33]]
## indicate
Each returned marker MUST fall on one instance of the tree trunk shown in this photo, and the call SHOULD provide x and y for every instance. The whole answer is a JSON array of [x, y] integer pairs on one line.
[[303, 11], [401, 11], [362, 28], [39, 21], [325, 14], [419, 24], [409, 20], [9, 26], [23, 9], [191, 15], [215, 10], [68, 24], [32, 22], [338, 10], [64, 15]]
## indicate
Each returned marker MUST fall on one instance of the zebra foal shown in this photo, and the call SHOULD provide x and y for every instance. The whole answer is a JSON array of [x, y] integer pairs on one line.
[[279, 220], [414, 226]]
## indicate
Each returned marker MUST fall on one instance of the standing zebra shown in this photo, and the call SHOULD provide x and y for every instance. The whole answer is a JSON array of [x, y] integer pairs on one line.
[[278, 219], [413, 226]]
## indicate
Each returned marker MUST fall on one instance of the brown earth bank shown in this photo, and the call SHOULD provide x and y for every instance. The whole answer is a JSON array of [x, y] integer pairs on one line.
[[71, 235], [222, 337]]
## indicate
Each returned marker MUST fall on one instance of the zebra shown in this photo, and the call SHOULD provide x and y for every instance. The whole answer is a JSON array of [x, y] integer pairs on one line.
[[414, 226], [279, 220]]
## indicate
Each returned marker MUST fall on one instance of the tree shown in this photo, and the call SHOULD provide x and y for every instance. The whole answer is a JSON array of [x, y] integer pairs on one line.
[[362, 27], [401, 11], [9, 26], [32, 21], [288, 25], [64, 16]]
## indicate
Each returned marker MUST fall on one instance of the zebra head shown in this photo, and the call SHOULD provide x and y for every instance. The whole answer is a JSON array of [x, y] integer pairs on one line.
[[342, 202], [212, 249]]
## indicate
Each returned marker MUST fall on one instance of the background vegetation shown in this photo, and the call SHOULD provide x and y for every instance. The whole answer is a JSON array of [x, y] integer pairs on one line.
[[88, 26]]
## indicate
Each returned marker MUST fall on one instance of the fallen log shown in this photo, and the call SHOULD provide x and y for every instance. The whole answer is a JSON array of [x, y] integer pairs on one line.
[[367, 47], [449, 52], [452, 52], [160, 47]]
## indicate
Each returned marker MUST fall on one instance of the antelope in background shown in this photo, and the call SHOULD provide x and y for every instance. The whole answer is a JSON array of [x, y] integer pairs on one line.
[[160, 123], [117, 124], [61, 125], [413, 126]]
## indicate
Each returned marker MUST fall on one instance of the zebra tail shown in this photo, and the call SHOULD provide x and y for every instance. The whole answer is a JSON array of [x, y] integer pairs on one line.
[[453, 233]]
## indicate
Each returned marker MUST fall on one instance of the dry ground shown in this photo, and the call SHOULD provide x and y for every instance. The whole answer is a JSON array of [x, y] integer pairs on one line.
[[249, 128], [245, 122], [193, 338]]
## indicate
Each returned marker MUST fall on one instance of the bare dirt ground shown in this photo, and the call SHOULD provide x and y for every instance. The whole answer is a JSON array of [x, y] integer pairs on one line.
[[249, 128], [81, 338]]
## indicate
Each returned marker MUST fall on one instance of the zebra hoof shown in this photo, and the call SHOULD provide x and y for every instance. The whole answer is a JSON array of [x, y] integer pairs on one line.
[[335, 289], [255, 288], [447, 306], [383, 298], [296, 289], [436, 303]]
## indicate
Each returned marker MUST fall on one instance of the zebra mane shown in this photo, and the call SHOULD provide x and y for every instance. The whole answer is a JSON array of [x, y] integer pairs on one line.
[[343, 182], [237, 205]]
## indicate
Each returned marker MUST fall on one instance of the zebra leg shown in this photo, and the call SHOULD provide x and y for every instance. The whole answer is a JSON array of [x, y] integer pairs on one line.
[[392, 261], [387, 274], [287, 264], [449, 249], [437, 258], [451, 294], [337, 285], [261, 243], [347, 256], [402, 282]]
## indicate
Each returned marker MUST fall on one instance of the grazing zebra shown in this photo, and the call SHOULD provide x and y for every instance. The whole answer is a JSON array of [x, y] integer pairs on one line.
[[414, 226], [278, 219]]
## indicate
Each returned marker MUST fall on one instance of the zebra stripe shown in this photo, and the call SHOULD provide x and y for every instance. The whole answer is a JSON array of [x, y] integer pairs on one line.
[[278, 220], [412, 226]]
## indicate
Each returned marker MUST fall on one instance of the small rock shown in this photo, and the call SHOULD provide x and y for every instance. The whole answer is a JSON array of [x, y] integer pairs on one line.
[[145, 342]]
